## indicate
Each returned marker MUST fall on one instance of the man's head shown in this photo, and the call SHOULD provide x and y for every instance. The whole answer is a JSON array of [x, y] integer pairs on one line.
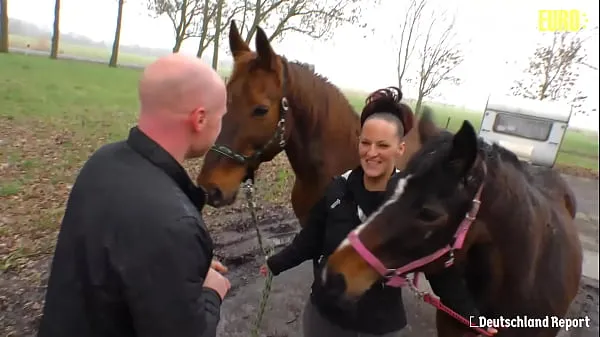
[[182, 102]]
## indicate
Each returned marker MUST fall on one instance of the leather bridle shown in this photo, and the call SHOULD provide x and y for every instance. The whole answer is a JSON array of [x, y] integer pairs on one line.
[[278, 137]]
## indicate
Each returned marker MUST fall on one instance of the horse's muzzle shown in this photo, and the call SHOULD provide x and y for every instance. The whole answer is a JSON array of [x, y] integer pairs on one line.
[[216, 199]]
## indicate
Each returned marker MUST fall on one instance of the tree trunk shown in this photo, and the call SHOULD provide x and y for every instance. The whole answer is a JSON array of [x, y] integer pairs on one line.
[[418, 105], [255, 22], [181, 28], [117, 41], [202, 45], [178, 43], [215, 58], [4, 26], [55, 31]]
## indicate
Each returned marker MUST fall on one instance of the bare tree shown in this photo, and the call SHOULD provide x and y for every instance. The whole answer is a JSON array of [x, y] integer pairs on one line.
[[55, 31], [217, 35], [593, 67], [211, 23], [439, 57], [209, 10], [227, 11], [182, 14], [552, 72], [409, 32], [117, 40], [4, 26], [316, 19]]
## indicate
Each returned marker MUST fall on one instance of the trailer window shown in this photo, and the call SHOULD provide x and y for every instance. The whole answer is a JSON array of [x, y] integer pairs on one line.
[[520, 126]]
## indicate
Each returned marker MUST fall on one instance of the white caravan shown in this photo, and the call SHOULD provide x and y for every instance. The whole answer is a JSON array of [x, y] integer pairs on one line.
[[532, 129]]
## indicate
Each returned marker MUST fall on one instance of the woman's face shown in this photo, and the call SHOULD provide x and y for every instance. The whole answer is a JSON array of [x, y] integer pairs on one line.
[[378, 147]]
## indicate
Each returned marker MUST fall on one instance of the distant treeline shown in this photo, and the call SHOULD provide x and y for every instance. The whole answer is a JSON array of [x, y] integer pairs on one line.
[[24, 28]]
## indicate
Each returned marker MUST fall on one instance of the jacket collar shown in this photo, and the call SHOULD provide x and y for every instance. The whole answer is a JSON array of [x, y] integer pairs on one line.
[[158, 156], [356, 186]]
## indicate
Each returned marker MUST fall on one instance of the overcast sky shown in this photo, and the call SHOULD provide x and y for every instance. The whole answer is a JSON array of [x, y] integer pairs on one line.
[[497, 35]]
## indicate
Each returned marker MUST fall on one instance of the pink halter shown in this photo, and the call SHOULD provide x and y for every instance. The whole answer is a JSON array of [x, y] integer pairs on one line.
[[395, 277]]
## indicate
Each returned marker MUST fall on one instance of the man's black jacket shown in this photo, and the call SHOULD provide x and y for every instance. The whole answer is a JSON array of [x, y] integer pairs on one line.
[[133, 251]]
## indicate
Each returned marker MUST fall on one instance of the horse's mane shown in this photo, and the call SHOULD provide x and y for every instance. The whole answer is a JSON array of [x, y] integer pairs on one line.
[[520, 204], [303, 75], [494, 155], [310, 70]]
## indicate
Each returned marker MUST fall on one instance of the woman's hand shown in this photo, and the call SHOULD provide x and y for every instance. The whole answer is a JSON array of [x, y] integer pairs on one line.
[[492, 331], [264, 270]]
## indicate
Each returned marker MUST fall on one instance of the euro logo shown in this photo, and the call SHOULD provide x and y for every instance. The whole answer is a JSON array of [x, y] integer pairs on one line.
[[561, 20]]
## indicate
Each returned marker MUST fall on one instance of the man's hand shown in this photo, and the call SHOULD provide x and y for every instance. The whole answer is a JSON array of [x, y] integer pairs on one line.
[[214, 280], [218, 266]]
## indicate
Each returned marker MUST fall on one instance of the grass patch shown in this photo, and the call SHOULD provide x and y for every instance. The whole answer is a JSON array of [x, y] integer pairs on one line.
[[81, 97], [53, 115], [10, 188]]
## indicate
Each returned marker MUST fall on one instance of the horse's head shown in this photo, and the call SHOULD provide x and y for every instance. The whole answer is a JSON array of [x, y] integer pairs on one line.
[[420, 217], [254, 128]]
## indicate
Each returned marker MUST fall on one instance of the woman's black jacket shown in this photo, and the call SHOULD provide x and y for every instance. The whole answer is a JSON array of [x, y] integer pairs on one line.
[[345, 204]]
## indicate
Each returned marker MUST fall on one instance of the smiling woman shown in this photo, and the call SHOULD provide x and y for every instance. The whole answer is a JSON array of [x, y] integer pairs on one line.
[[348, 200], [484, 227]]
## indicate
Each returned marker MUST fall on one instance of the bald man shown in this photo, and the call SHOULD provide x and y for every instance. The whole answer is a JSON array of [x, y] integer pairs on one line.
[[133, 256]]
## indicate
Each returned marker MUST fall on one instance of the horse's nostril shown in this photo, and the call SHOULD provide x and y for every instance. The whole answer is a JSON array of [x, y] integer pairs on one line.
[[335, 284], [215, 196]]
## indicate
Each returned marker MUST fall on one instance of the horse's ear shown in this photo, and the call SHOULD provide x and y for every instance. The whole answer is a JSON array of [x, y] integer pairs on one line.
[[464, 149], [266, 55], [427, 127], [237, 45]]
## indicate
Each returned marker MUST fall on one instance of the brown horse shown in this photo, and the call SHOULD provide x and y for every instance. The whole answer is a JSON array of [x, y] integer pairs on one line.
[[277, 105], [521, 257]]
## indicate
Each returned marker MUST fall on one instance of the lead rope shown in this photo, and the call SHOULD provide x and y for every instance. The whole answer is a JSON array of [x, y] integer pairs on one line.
[[249, 189], [437, 303]]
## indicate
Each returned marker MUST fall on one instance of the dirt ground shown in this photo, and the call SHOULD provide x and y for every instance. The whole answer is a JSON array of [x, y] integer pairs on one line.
[[290, 290], [21, 293]]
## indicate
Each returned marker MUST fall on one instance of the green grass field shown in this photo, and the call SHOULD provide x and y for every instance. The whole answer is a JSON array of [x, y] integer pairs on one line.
[[18, 41], [93, 98]]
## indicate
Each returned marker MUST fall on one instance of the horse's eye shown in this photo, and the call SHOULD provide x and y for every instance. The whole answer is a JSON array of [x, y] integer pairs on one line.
[[260, 111], [428, 215]]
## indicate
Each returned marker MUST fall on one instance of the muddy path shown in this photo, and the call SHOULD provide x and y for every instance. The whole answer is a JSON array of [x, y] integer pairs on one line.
[[290, 290], [21, 293], [283, 317]]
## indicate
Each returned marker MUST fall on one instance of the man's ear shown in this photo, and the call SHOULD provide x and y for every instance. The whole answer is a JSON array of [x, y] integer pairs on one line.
[[464, 149], [198, 119]]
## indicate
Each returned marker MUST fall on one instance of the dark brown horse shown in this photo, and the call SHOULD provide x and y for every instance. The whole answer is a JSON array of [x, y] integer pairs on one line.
[[276, 105], [521, 256]]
